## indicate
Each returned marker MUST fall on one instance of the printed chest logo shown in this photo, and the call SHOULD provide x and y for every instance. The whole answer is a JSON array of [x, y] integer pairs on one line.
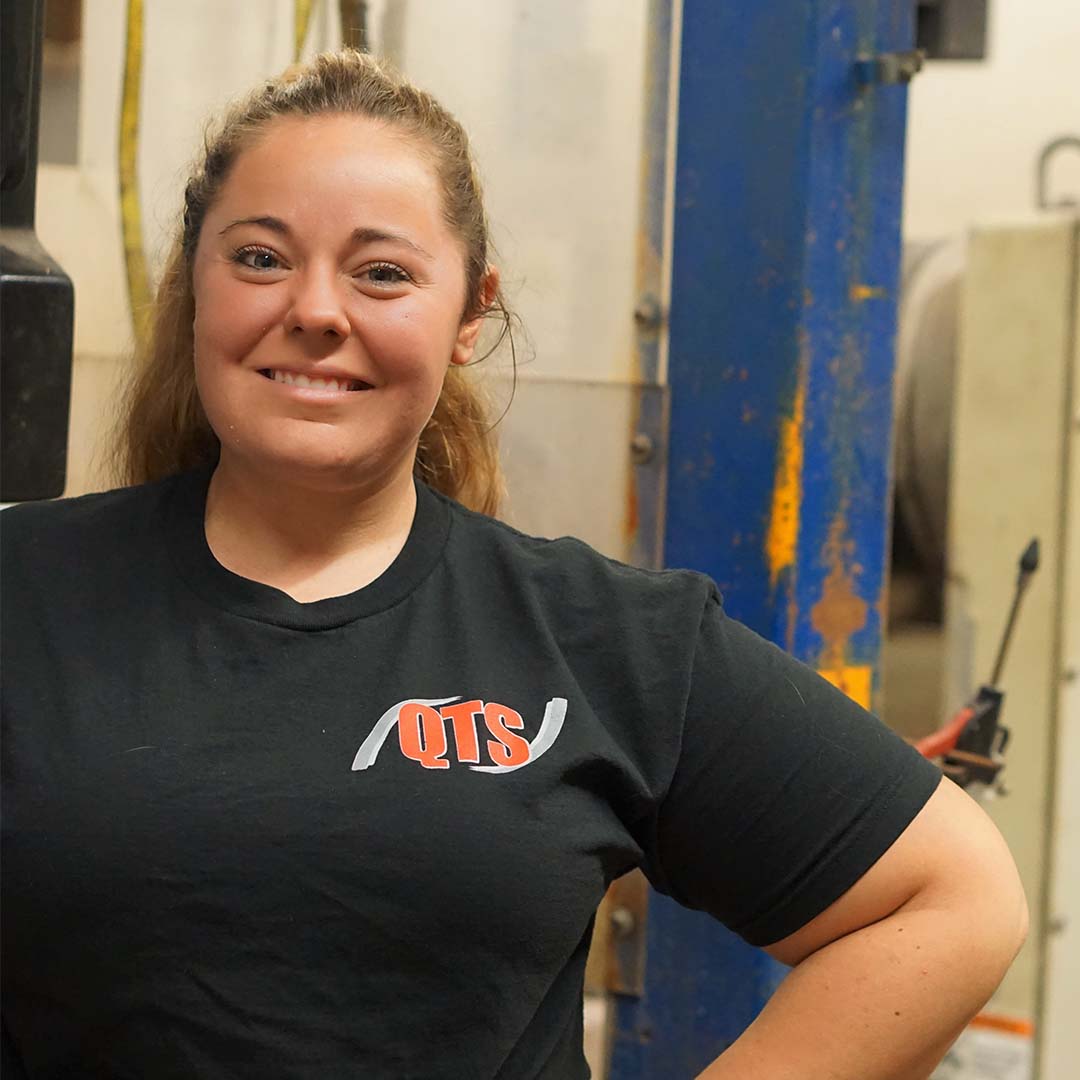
[[425, 725]]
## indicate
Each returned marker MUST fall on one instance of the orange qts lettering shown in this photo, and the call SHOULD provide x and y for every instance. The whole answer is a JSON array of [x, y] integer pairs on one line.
[[463, 716], [427, 746], [510, 749]]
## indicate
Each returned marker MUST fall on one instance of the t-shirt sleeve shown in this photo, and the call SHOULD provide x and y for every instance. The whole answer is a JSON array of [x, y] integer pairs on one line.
[[785, 791]]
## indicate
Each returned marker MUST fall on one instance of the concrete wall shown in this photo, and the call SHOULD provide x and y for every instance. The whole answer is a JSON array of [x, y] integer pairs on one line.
[[1061, 1042], [975, 132], [975, 129], [553, 104], [550, 92], [1015, 369], [195, 57]]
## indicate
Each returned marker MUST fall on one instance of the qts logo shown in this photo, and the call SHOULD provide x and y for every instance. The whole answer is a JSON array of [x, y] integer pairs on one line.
[[426, 726]]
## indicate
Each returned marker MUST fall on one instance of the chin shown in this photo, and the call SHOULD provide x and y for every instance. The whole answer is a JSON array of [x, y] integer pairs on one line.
[[318, 464]]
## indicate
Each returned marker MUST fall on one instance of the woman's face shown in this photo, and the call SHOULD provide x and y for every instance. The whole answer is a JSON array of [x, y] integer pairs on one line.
[[328, 302]]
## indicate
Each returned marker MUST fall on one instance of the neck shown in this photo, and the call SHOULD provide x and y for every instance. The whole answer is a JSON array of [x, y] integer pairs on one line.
[[311, 541]]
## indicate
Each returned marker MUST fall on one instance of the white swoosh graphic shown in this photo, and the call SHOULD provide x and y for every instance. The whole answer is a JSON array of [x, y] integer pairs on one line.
[[554, 715], [370, 747]]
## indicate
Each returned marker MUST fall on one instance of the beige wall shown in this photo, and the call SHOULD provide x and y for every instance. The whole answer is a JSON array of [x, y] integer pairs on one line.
[[560, 159], [196, 56], [1013, 370], [975, 129], [975, 132], [1061, 1044]]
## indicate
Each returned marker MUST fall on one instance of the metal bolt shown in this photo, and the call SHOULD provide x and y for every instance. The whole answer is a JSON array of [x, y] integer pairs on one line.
[[642, 449], [648, 314], [1070, 675], [909, 64], [622, 922], [1057, 924], [889, 68]]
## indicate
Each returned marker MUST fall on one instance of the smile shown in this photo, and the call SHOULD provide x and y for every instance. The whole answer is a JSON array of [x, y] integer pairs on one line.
[[307, 382]]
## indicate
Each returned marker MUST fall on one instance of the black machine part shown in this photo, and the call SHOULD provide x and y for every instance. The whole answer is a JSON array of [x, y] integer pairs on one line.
[[952, 29], [37, 302], [1029, 563], [978, 756]]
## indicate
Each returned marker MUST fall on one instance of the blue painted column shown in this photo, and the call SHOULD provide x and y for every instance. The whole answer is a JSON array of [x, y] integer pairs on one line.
[[782, 324]]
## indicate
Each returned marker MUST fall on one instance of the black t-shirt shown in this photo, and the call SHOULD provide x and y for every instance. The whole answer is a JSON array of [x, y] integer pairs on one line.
[[366, 836]]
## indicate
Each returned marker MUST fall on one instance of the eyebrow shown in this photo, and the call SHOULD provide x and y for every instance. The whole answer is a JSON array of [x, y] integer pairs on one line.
[[359, 236]]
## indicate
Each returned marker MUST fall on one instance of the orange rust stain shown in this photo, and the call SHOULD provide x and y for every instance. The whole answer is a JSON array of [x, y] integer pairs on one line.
[[840, 612], [882, 605], [855, 680], [858, 293], [633, 516], [783, 533]]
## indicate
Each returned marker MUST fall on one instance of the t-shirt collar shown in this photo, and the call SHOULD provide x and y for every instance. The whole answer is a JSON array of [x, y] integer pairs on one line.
[[186, 515]]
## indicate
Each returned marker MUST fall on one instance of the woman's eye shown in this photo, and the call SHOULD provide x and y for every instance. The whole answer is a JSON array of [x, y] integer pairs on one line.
[[256, 258], [384, 274]]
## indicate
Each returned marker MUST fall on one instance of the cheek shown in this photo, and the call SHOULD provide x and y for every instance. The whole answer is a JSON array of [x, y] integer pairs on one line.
[[230, 319], [419, 337]]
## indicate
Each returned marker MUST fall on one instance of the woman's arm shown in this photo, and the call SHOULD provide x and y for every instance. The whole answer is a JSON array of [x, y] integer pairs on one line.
[[888, 976]]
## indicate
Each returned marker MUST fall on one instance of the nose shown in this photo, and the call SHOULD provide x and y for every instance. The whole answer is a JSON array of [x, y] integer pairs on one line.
[[317, 308]]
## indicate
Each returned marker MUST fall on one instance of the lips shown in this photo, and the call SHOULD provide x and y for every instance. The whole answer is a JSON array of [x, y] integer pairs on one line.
[[334, 383]]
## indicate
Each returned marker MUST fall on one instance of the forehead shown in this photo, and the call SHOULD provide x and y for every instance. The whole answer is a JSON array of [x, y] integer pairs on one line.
[[335, 170]]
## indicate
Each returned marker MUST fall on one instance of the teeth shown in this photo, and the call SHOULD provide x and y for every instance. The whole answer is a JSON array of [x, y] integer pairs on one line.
[[336, 385]]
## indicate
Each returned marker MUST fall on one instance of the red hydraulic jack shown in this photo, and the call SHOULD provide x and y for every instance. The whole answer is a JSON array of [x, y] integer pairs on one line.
[[971, 746]]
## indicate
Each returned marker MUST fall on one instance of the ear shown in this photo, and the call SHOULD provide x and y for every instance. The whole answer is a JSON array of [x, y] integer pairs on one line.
[[469, 331]]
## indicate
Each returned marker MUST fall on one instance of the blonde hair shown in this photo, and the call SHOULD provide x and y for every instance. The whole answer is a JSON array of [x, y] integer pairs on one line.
[[163, 429]]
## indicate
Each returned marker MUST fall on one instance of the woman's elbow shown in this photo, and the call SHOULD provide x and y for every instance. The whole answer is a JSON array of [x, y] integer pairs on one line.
[[996, 905], [972, 880], [1023, 918]]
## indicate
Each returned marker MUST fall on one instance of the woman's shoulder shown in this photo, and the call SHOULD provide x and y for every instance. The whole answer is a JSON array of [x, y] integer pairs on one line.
[[105, 516], [569, 566]]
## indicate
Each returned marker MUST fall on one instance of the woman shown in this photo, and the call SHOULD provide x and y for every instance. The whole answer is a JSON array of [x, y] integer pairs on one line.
[[312, 771]]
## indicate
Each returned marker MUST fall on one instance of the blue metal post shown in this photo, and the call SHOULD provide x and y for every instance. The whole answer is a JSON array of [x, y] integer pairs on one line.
[[782, 323]]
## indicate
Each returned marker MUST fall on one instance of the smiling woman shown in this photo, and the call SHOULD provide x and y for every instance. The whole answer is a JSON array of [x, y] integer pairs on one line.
[[312, 768], [326, 255], [334, 228]]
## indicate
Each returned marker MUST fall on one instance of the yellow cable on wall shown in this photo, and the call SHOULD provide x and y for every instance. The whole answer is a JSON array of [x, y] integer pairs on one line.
[[138, 280], [301, 21]]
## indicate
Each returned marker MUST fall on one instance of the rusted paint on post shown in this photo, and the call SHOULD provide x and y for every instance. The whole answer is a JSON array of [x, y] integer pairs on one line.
[[782, 323], [855, 680], [840, 612], [859, 293], [782, 535]]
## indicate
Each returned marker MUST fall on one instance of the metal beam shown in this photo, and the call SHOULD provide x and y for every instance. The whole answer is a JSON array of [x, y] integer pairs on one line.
[[782, 305]]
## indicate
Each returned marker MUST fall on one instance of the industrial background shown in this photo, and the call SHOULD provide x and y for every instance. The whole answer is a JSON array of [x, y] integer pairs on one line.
[[800, 281]]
